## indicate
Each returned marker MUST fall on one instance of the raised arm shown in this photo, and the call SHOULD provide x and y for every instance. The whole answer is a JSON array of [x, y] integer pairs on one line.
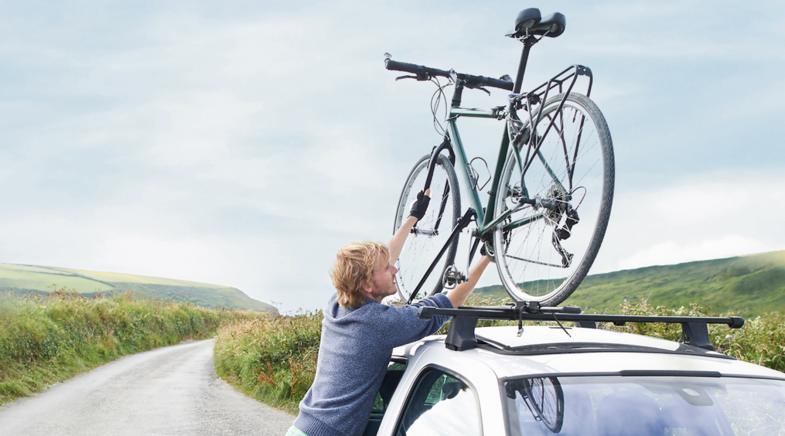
[[399, 238], [458, 295]]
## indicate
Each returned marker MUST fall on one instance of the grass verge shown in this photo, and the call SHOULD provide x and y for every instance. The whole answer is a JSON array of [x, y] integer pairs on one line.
[[274, 360], [45, 340]]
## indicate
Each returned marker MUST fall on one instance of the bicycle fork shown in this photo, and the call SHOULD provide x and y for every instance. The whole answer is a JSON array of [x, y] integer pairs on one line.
[[445, 145]]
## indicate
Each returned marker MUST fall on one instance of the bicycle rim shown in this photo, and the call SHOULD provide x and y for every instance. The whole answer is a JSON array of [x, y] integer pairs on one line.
[[431, 232], [573, 169]]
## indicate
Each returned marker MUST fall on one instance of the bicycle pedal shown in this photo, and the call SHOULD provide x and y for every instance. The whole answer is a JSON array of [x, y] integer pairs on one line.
[[452, 277]]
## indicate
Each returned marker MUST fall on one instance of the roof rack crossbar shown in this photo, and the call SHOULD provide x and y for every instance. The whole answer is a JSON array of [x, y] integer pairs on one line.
[[460, 335]]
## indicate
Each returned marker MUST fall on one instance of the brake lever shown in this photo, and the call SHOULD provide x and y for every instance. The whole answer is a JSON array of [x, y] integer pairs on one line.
[[473, 86], [406, 77]]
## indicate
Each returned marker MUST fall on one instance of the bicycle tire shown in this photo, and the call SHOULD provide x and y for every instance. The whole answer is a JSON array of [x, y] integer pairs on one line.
[[420, 248], [544, 282], [534, 395]]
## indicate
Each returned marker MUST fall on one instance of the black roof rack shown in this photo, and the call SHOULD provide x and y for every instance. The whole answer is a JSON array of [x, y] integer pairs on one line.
[[460, 335]]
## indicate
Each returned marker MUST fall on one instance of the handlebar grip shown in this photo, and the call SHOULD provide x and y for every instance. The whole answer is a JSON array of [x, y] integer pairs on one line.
[[475, 81], [421, 71], [424, 73], [498, 83], [401, 66]]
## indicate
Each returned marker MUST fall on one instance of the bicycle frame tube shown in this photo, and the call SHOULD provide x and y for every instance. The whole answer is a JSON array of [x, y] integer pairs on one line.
[[483, 215]]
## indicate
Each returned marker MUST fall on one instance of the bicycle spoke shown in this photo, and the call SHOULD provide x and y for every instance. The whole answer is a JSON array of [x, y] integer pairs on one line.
[[427, 239], [534, 261], [550, 244]]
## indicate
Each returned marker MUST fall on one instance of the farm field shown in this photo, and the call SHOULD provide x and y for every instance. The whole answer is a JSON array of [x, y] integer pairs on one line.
[[32, 279]]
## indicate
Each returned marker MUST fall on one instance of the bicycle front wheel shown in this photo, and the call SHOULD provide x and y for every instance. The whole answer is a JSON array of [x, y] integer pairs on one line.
[[432, 231], [556, 200]]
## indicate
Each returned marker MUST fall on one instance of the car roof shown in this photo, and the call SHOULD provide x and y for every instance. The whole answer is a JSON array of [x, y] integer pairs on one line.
[[543, 350]]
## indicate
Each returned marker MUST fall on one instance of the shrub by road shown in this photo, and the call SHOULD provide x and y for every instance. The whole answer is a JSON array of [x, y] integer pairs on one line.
[[274, 360], [47, 340]]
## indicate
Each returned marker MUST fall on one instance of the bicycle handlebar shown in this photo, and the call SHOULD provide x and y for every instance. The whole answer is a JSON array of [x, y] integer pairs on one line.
[[424, 73]]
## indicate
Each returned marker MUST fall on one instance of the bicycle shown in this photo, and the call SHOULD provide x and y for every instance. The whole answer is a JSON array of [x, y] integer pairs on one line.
[[552, 189]]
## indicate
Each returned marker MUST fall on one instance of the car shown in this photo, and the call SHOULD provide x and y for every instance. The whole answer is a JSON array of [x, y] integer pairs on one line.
[[572, 380]]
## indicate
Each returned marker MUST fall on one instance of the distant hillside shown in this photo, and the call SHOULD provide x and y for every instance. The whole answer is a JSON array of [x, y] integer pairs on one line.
[[747, 285], [27, 279]]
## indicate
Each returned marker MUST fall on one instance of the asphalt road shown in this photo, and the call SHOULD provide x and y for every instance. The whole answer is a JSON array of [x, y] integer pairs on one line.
[[168, 391]]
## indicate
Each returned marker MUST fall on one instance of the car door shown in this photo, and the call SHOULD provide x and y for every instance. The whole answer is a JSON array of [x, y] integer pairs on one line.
[[381, 402], [441, 403]]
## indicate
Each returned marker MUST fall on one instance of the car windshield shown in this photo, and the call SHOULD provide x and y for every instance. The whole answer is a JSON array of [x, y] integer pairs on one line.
[[615, 405]]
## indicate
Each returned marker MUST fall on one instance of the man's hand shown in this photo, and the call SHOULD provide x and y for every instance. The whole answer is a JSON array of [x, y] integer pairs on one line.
[[458, 295], [399, 238], [420, 206]]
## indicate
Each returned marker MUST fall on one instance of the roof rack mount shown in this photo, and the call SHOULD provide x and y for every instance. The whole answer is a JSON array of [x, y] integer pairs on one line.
[[460, 335]]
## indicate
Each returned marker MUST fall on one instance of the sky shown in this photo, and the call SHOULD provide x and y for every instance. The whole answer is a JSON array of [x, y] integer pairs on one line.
[[242, 143]]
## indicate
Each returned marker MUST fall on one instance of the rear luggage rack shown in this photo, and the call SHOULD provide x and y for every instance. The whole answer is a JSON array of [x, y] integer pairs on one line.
[[460, 336]]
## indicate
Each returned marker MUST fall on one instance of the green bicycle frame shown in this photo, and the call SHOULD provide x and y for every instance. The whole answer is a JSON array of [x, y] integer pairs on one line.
[[485, 221]]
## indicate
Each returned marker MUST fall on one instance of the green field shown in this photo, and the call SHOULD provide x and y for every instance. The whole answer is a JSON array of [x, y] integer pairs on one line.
[[32, 279], [746, 285]]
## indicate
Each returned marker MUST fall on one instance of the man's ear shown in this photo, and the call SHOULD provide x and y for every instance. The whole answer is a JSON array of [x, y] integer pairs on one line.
[[367, 290]]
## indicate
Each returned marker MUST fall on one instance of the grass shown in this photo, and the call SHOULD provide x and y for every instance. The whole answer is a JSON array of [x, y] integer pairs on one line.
[[44, 340], [745, 285], [274, 360]]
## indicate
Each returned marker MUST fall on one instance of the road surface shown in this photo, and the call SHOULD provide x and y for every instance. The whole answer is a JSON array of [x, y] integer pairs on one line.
[[168, 391]]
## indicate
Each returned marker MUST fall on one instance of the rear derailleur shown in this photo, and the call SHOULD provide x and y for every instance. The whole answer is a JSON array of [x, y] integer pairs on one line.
[[562, 232]]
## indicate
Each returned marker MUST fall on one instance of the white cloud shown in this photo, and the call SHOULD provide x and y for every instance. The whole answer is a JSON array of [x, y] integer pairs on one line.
[[674, 251], [704, 216], [244, 147]]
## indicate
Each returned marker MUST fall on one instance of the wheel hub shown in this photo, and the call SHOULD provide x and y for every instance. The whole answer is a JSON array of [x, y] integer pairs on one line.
[[557, 195]]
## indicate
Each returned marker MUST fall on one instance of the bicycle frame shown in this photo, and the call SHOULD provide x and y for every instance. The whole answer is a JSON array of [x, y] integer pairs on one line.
[[454, 145], [531, 103]]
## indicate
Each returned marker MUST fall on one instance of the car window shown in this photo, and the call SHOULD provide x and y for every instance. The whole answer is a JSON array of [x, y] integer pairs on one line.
[[652, 405], [391, 379], [441, 404]]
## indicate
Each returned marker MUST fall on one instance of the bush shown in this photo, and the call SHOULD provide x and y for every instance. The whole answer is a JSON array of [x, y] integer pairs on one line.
[[761, 341], [44, 340], [274, 360]]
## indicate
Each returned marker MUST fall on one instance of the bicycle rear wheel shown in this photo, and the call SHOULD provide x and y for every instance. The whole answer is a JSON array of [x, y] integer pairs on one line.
[[432, 231], [544, 251]]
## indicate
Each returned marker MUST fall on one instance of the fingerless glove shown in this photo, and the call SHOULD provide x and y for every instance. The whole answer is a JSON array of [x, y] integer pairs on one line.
[[420, 205]]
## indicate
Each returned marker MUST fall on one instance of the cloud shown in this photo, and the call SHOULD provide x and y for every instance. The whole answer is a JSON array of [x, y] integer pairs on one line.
[[710, 215], [243, 146]]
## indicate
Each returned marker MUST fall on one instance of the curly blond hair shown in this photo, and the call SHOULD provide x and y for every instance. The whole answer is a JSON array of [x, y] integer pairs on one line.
[[353, 269]]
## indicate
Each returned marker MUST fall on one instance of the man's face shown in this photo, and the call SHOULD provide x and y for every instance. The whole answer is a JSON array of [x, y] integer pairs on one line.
[[383, 279]]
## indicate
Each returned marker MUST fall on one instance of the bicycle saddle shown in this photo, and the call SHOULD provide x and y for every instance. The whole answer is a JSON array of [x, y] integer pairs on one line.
[[530, 22]]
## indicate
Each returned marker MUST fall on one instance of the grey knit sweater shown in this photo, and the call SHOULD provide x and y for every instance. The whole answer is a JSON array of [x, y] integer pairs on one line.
[[355, 348]]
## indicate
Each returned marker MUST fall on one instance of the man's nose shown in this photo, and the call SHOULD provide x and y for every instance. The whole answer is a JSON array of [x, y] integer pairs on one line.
[[394, 269]]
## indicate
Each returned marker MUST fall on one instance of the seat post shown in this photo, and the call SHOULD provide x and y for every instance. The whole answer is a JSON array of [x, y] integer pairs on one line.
[[528, 42]]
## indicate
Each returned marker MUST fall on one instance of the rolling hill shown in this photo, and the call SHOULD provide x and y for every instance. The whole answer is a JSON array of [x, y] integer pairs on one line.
[[31, 279], [747, 285]]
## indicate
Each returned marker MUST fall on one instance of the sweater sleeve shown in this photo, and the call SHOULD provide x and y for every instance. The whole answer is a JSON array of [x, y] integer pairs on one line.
[[401, 325]]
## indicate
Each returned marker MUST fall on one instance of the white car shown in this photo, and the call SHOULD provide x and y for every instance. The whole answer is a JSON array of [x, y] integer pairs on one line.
[[574, 381]]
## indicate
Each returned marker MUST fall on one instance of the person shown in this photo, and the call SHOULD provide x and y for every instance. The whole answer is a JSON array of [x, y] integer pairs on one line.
[[359, 333]]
